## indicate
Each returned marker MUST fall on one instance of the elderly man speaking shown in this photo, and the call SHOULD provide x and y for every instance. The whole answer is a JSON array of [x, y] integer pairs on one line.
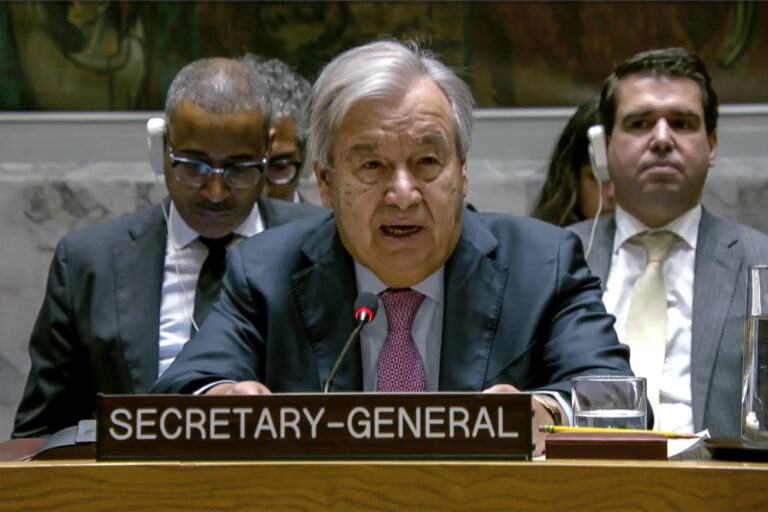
[[473, 301]]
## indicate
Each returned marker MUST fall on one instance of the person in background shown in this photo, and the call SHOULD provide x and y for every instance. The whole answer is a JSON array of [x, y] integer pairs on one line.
[[468, 301], [125, 295], [289, 93], [570, 191], [674, 275]]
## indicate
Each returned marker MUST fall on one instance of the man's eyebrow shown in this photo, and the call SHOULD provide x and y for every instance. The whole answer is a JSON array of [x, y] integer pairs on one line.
[[647, 112], [363, 147], [436, 139]]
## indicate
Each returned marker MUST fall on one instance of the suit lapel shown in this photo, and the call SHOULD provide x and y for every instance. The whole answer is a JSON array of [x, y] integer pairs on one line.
[[599, 258], [325, 294], [474, 289], [266, 210], [717, 269], [138, 285]]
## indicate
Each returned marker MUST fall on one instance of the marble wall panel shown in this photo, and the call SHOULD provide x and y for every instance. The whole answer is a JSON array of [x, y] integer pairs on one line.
[[39, 203]]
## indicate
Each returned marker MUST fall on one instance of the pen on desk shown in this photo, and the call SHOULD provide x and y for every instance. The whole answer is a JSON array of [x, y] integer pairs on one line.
[[554, 429]]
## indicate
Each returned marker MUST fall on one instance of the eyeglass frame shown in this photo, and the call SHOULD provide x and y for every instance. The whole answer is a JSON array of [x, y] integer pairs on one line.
[[222, 170], [297, 164]]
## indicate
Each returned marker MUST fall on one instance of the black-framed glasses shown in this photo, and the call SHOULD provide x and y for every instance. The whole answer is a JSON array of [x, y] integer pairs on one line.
[[196, 173], [283, 171]]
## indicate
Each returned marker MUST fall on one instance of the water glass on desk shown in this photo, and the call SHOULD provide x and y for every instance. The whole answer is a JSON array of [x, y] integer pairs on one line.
[[754, 407], [609, 401]]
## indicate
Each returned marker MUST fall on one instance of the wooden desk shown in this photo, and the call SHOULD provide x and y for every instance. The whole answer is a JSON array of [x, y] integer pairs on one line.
[[391, 485]]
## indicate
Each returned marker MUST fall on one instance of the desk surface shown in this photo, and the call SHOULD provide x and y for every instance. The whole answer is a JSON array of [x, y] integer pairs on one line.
[[384, 485]]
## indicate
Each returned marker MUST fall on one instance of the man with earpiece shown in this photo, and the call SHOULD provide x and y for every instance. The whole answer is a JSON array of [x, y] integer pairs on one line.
[[673, 274], [124, 296], [469, 301]]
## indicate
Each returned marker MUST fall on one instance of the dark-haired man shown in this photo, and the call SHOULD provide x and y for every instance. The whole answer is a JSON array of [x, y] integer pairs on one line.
[[674, 275], [124, 296]]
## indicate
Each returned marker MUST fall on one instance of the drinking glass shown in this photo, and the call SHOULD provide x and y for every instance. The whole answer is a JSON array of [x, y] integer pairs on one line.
[[609, 401], [754, 413]]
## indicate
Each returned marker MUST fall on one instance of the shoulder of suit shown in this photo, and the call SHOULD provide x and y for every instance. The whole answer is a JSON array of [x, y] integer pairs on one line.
[[277, 212], [116, 229]]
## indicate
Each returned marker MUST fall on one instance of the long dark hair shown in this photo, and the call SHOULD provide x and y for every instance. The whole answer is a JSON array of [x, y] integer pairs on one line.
[[558, 200]]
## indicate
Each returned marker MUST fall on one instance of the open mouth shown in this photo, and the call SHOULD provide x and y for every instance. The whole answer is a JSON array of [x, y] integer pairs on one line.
[[399, 231]]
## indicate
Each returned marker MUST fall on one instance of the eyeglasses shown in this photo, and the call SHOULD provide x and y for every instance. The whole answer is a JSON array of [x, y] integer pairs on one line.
[[196, 173], [283, 171]]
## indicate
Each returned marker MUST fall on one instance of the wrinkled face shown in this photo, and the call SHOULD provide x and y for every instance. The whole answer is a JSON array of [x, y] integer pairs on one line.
[[589, 193], [284, 150], [397, 184], [214, 209], [659, 152]]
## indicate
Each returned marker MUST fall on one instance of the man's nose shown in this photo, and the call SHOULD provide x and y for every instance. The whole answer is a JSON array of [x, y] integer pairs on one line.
[[215, 189], [402, 190], [661, 136]]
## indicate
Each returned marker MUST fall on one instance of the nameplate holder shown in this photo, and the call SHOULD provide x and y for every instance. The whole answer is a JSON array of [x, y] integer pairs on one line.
[[315, 426]]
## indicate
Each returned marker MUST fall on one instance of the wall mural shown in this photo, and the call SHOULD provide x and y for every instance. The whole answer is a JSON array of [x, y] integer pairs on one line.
[[101, 55]]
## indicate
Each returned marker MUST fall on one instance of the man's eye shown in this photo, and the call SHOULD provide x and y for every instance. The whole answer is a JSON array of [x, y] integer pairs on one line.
[[639, 124], [428, 160], [372, 165], [682, 124]]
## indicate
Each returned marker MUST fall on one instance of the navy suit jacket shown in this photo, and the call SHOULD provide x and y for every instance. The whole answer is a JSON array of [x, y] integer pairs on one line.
[[521, 307], [97, 330]]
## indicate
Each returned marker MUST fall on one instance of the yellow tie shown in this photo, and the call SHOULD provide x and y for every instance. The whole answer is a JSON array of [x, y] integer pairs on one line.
[[647, 321]]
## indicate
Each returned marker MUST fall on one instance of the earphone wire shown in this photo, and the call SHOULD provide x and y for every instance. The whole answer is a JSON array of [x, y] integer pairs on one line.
[[172, 243], [595, 219]]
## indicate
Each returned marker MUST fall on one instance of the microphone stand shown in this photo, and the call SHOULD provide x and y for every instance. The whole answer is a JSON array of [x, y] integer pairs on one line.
[[360, 324]]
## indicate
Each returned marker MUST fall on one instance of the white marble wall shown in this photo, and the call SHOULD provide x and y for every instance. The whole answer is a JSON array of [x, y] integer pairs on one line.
[[39, 203]]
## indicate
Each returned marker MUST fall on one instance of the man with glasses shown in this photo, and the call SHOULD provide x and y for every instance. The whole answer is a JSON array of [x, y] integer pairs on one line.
[[289, 93], [124, 296]]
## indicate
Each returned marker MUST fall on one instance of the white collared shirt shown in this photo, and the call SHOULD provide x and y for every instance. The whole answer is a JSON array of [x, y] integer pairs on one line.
[[627, 264], [184, 257]]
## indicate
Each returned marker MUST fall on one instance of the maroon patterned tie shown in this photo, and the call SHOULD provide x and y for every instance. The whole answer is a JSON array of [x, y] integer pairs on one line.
[[400, 365]]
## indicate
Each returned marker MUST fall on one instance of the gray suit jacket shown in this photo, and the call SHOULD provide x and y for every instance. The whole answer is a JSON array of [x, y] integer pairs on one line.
[[97, 330], [724, 251]]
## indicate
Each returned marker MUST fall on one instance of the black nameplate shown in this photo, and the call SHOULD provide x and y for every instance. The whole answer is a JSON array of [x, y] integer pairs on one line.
[[338, 425]]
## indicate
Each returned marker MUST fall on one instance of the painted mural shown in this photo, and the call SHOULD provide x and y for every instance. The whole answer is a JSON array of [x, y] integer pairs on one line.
[[102, 55]]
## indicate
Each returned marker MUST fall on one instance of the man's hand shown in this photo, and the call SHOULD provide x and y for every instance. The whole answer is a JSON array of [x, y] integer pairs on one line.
[[245, 387], [540, 416]]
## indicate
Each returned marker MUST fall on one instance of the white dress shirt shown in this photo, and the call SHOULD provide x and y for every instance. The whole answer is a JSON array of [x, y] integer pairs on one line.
[[627, 264], [184, 257]]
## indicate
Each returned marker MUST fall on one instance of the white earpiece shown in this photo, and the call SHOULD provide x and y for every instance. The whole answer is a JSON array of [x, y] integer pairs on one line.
[[598, 157], [156, 129]]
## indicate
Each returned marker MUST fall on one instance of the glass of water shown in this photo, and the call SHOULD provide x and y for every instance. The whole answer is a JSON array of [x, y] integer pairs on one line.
[[754, 406], [609, 401]]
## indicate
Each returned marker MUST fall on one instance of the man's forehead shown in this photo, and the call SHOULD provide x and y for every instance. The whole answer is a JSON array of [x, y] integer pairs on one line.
[[649, 92]]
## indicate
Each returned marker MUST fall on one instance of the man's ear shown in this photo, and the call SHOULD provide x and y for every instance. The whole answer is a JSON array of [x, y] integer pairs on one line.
[[464, 185], [712, 137], [272, 133], [324, 177]]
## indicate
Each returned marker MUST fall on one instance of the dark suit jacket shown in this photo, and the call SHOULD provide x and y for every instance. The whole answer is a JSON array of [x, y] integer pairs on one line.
[[521, 307], [724, 251], [97, 330]]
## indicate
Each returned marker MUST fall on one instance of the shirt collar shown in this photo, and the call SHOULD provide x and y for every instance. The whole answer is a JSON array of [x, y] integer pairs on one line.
[[181, 235], [431, 287], [686, 226]]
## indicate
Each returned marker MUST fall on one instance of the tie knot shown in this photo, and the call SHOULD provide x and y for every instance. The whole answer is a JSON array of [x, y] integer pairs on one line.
[[401, 305], [656, 244], [216, 245]]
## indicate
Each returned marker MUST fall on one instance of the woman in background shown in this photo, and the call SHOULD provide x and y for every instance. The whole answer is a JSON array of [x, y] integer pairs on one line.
[[570, 192]]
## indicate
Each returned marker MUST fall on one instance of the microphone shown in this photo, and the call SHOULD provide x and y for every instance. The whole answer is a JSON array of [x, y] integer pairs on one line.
[[366, 305]]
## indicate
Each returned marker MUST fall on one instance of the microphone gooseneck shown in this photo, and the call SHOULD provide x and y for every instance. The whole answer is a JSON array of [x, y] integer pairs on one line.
[[366, 305]]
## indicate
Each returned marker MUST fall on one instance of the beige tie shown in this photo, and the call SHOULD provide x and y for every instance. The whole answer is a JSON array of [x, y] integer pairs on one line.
[[647, 322]]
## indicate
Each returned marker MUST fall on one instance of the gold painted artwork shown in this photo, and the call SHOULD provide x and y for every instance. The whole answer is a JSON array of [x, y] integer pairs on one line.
[[123, 55]]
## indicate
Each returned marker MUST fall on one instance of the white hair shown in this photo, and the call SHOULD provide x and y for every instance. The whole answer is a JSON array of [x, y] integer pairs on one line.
[[381, 69]]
